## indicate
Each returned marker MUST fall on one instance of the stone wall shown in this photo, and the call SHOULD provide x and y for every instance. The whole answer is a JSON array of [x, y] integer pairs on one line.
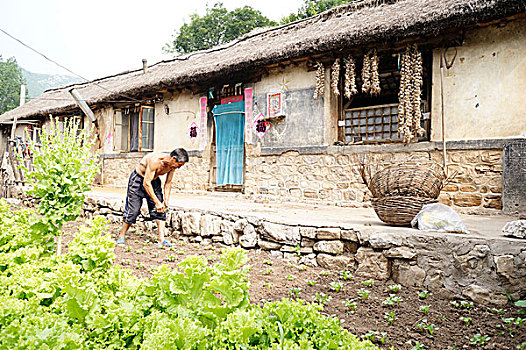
[[449, 265], [334, 179]]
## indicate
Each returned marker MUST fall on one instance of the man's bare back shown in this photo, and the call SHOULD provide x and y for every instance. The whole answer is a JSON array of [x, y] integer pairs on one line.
[[157, 162]]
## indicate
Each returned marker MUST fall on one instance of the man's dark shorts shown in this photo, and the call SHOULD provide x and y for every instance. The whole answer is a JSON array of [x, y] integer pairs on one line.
[[134, 196]]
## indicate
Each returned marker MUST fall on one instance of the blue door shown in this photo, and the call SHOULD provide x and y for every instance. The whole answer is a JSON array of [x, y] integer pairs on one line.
[[230, 129]]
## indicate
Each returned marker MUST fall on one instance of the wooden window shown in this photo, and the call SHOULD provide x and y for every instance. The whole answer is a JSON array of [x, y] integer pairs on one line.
[[374, 119], [146, 128], [133, 129]]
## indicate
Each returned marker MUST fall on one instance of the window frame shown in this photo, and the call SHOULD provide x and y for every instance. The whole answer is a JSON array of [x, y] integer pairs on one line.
[[127, 128]]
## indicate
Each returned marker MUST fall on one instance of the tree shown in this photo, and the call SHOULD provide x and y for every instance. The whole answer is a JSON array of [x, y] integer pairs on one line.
[[10, 80], [217, 26], [311, 8]]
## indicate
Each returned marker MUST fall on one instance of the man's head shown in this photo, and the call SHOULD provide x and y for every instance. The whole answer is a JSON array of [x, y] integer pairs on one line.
[[180, 156]]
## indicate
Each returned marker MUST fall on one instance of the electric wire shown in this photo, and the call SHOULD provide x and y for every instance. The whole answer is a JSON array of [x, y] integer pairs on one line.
[[67, 69]]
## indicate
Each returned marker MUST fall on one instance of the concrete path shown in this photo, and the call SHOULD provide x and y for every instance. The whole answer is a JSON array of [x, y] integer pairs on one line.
[[360, 219]]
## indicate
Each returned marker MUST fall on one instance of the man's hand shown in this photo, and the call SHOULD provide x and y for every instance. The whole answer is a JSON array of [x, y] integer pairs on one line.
[[165, 203], [159, 207]]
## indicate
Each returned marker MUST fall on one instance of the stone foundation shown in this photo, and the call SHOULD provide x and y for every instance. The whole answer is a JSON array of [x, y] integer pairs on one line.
[[334, 179], [449, 265]]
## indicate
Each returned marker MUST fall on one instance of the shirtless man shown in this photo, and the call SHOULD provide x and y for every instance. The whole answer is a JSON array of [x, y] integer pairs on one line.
[[144, 182]]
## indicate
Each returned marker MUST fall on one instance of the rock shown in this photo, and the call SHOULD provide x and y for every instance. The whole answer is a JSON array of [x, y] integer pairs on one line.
[[409, 275], [307, 242], [249, 238], [116, 205], [266, 245], [329, 247], [335, 262], [372, 264], [210, 225], [349, 235], [306, 250], [309, 260], [190, 223], [198, 239], [287, 249], [291, 257], [240, 225], [308, 232], [482, 295], [105, 211], [400, 253], [280, 233], [505, 265], [176, 220], [227, 231], [328, 233], [515, 229], [276, 254], [385, 240], [363, 236], [206, 241]]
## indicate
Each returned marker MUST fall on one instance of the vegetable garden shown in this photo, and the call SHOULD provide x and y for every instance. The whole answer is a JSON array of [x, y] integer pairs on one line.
[[84, 293]]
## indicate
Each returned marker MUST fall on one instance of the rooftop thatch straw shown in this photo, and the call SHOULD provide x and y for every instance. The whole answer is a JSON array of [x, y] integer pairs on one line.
[[351, 25]]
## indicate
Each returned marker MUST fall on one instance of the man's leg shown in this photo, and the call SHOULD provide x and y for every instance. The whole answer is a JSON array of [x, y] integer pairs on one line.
[[160, 229], [125, 227]]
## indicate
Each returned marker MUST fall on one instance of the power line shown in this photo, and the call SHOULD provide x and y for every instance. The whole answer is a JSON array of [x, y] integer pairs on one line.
[[61, 66]]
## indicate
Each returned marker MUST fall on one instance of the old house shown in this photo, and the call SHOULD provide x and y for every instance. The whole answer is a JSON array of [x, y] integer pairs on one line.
[[286, 113]]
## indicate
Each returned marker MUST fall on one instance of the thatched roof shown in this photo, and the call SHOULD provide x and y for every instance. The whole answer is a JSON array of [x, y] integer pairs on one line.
[[350, 25]]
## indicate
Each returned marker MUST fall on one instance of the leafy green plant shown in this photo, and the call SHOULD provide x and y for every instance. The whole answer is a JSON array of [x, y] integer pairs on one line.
[[322, 298], [363, 294], [395, 288], [336, 286], [390, 317], [466, 320], [479, 340], [391, 300], [416, 346], [368, 283], [424, 326], [171, 257], [375, 336], [351, 305], [325, 273], [424, 309], [290, 277], [63, 167], [140, 251], [455, 303], [268, 271], [311, 283], [346, 275], [295, 292], [496, 311], [423, 294], [466, 304], [268, 285]]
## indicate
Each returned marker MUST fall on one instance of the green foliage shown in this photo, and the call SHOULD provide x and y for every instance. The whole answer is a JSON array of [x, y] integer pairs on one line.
[[10, 81], [63, 167], [479, 339], [336, 286], [217, 26], [79, 300], [424, 309], [423, 294], [363, 294], [311, 8], [346, 275], [368, 283]]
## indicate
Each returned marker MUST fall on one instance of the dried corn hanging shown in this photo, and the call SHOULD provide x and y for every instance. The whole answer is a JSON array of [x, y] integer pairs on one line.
[[370, 75], [350, 78], [335, 76], [409, 112], [320, 80]]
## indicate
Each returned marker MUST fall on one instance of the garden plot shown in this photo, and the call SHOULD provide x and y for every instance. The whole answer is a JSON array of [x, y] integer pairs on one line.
[[381, 311]]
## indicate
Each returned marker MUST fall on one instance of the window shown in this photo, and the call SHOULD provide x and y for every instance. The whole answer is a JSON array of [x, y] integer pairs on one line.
[[134, 129], [374, 119]]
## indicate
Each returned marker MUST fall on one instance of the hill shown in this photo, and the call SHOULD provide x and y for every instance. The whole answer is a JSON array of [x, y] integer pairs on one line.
[[37, 83]]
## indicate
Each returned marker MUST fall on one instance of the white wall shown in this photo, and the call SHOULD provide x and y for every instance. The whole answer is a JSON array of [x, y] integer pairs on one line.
[[485, 90]]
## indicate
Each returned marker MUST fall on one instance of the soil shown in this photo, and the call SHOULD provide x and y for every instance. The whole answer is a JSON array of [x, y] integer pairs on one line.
[[273, 279]]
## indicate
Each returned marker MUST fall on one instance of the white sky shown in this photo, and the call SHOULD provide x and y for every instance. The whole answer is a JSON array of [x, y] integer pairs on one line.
[[102, 37]]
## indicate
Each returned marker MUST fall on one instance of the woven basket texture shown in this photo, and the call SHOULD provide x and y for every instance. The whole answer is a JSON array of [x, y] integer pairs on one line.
[[405, 179], [399, 210]]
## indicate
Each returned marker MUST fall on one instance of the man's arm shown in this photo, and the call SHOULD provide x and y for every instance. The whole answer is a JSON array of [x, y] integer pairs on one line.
[[148, 177], [168, 187]]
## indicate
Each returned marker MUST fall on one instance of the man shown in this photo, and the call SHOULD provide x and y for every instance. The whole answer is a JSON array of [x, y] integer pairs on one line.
[[144, 182]]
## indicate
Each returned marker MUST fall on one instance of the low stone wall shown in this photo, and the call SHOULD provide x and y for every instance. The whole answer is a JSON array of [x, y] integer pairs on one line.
[[332, 177], [449, 265]]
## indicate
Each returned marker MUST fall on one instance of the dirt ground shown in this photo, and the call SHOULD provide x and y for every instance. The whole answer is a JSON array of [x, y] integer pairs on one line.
[[405, 325]]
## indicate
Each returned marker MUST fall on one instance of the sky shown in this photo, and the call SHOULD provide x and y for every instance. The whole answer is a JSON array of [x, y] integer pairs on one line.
[[97, 38]]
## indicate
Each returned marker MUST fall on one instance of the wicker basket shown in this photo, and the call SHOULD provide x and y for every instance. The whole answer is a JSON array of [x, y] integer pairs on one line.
[[406, 179], [399, 210]]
